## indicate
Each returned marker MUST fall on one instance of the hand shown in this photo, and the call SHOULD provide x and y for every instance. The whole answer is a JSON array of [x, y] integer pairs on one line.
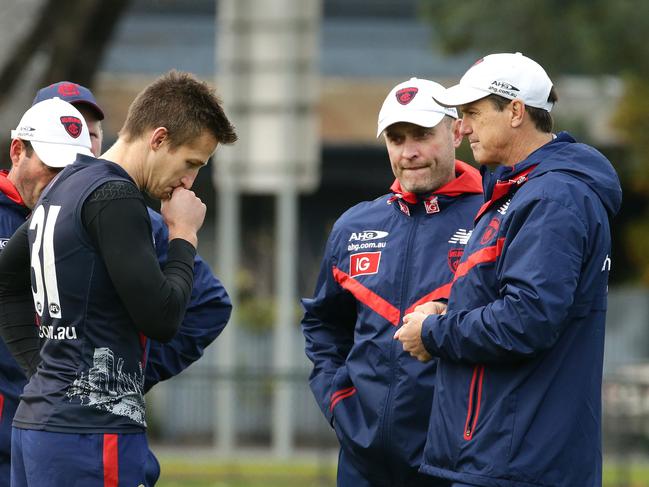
[[432, 308], [183, 213], [410, 336]]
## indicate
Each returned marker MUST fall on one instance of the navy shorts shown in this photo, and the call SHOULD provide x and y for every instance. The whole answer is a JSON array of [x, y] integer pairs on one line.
[[40, 458]]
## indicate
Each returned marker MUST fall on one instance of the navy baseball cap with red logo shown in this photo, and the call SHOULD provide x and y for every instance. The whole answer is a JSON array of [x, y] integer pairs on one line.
[[72, 93]]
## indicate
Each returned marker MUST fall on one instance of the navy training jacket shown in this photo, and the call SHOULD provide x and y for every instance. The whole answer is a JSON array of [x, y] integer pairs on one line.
[[383, 258], [207, 314], [13, 213], [518, 395]]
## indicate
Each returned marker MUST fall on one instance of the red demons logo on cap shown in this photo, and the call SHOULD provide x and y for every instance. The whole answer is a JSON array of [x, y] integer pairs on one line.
[[491, 231], [72, 126], [68, 89], [364, 263], [405, 95]]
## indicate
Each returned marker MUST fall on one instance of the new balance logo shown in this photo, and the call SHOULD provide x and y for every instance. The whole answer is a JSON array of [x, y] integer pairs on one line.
[[503, 209], [461, 236], [607, 264]]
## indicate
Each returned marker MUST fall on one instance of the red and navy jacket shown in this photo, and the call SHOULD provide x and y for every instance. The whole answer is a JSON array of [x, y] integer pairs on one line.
[[383, 258], [520, 349], [13, 213]]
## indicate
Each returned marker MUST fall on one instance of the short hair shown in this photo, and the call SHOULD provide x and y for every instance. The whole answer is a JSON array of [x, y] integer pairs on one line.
[[29, 149], [541, 118], [183, 105]]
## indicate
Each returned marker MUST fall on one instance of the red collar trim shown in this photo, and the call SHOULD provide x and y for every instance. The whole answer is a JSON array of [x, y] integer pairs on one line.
[[503, 188], [467, 180], [8, 188]]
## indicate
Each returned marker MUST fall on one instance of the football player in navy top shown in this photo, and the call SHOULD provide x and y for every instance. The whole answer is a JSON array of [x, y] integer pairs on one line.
[[209, 307], [99, 292]]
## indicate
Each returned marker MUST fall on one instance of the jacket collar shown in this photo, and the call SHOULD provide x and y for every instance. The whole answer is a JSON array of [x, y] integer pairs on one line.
[[467, 181], [9, 190]]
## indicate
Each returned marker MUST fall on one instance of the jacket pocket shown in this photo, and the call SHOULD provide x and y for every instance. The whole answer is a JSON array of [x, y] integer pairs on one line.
[[475, 398]]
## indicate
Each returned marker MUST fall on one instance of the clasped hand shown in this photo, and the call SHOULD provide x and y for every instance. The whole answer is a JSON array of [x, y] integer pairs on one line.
[[409, 334]]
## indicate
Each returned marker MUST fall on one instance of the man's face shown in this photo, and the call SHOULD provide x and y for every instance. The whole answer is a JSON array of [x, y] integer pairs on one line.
[[28, 173], [94, 128], [179, 166], [422, 159], [487, 130]]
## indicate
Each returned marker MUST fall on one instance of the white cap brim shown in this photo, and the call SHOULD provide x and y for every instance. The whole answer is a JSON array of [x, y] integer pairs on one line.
[[422, 118], [458, 95], [58, 155]]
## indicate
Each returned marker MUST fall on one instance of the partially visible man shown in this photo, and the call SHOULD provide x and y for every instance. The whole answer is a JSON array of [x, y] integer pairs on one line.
[[52, 124], [383, 258], [99, 291], [520, 348], [209, 307], [84, 101]]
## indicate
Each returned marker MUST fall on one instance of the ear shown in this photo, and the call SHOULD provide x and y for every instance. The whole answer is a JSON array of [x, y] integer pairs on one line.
[[16, 151], [517, 108], [456, 129], [158, 137]]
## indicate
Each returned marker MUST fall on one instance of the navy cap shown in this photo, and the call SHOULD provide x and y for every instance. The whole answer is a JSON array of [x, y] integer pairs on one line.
[[72, 93]]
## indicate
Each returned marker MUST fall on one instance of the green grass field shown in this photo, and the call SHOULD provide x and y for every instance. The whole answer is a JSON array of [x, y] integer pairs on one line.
[[203, 472], [243, 473]]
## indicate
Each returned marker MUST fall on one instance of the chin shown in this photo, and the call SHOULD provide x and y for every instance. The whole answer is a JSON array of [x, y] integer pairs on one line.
[[156, 195]]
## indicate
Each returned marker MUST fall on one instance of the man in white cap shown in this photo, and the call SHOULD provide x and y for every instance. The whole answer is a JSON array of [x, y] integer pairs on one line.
[[48, 137], [520, 347], [384, 258], [56, 131]]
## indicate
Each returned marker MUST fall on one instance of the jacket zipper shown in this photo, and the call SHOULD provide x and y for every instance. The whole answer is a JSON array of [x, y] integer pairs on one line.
[[386, 428], [475, 396]]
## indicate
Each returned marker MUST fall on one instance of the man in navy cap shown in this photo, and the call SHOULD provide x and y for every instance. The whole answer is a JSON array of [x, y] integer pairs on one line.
[[84, 101]]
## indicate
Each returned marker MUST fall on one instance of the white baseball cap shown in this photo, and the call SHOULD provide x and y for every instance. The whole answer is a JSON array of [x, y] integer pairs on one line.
[[412, 101], [56, 131], [511, 76]]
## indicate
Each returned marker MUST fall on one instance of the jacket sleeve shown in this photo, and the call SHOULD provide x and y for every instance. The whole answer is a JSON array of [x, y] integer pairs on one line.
[[328, 327], [18, 327], [538, 272], [207, 314]]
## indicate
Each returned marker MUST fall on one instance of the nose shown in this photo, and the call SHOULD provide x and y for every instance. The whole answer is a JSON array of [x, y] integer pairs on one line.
[[188, 179], [465, 127], [410, 148]]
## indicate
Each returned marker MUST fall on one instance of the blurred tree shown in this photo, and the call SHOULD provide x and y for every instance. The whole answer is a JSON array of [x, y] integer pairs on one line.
[[72, 33], [47, 41], [587, 37]]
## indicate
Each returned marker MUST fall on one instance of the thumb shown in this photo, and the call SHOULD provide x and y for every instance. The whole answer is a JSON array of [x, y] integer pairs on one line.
[[397, 334]]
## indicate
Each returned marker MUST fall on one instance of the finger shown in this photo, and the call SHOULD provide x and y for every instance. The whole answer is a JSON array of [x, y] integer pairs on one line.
[[397, 334]]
